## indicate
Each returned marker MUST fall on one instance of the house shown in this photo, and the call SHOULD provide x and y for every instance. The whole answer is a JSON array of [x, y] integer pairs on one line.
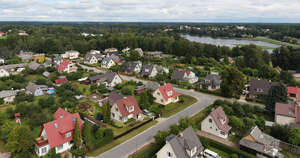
[[260, 144], [113, 97], [8, 96], [155, 54], [216, 123], [92, 58], [293, 93], [140, 51], [126, 50], [18, 118], [2, 61], [67, 66], [26, 56], [259, 87], [7, 70], [34, 66], [184, 75], [4, 72], [36, 90], [48, 64], [125, 109], [39, 58], [57, 134], [110, 79], [287, 114], [57, 59], [149, 70], [165, 95], [133, 67], [60, 81], [107, 63], [116, 59], [185, 145], [150, 85], [94, 52], [2, 34], [71, 54], [109, 50], [297, 76], [46, 74], [161, 69], [211, 82]]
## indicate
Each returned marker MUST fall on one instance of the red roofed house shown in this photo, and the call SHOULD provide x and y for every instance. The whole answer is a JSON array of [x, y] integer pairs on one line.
[[57, 134], [216, 123], [125, 109], [293, 93], [61, 81], [2, 34], [67, 66], [165, 94]]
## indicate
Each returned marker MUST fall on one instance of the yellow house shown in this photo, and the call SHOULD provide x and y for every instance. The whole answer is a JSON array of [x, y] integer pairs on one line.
[[39, 58]]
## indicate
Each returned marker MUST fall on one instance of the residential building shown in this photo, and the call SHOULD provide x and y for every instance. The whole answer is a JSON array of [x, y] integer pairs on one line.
[[67, 66], [7, 70], [8, 96], [165, 95], [57, 59], [34, 66], [71, 54], [184, 75], [46, 74], [161, 69], [287, 114], [140, 51], [110, 79], [60, 81], [36, 90], [260, 144], [211, 82], [39, 58], [113, 97], [259, 87], [57, 134], [26, 56], [4, 72], [185, 145], [126, 50], [2, 61], [216, 123], [149, 70], [107, 63], [133, 67], [294, 94], [150, 85], [125, 109], [2, 34], [48, 64], [155, 54], [94, 52], [109, 50], [92, 58], [116, 59]]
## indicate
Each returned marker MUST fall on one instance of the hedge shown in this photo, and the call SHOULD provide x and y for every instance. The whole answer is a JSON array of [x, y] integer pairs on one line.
[[208, 142]]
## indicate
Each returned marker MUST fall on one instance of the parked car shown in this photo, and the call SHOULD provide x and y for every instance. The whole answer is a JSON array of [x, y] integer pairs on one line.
[[147, 112]]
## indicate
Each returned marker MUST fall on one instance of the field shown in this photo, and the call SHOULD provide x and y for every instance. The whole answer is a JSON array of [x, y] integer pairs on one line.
[[265, 39]]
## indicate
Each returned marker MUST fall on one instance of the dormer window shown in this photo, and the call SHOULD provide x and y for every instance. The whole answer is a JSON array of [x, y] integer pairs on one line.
[[69, 134], [170, 93], [55, 125], [61, 115], [131, 109], [259, 90], [222, 121]]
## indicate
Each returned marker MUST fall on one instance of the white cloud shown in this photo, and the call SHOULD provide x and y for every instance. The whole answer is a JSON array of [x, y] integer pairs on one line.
[[151, 10]]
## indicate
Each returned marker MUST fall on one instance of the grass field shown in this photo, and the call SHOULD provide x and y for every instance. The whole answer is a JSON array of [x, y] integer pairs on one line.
[[265, 39], [120, 140]]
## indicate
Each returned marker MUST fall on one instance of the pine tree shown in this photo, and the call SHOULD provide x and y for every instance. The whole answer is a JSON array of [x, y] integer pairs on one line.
[[106, 112], [77, 135]]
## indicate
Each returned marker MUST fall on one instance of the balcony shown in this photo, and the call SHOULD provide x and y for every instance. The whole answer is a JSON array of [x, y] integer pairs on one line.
[[41, 141]]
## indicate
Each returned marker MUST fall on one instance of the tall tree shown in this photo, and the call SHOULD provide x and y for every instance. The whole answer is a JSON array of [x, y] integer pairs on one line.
[[233, 82], [77, 135], [276, 94], [20, 140], [106, 112]]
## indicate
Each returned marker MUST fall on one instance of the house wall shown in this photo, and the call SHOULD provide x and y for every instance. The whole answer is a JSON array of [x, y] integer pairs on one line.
[[153, 73], [9, 99], [38, 92], [64, 148], [115, 113], [4, 73], [284, 120], [39, 59], [115, 81], [160, 99], [212, 127], [163, 152], [39, 152]]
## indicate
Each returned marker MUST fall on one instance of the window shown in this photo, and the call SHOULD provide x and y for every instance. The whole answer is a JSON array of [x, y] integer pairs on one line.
[[131, 109], [162, 100], [169, 154], [158, 93], [44, 150], [170, 93], [210, 120], [117, 109], [120, 118], [113, 114], [69, 134], [223, 133], [60, 147]]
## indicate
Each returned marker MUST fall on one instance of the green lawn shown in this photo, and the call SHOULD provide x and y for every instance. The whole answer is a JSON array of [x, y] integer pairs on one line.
[[289, 155], [221, 153], [120, 140], [188, 100], [265, 39], [123, 127], [3, 107], [145, 152], [83, 88]]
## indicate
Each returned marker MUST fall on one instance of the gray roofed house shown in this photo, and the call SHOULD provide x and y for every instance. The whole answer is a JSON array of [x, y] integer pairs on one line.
[[184, 75], [161, 69], [57, 59], [107, 63], [257, 142], [92, 58], [26, 56], [35, 89], [109, 78], [149, 70], [34, 65], [260, 87], [152, 85], [154, 54], [8, 96], [113, 97], [7, 70], [211, 82], [134, 66], [186, 145]]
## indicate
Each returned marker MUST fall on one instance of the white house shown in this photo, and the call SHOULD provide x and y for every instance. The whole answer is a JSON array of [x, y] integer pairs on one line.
[[185, 145], [107, 63], [165, 95], [67, 66], [36, 90], [4, 73], [57, 134], [184, 75], [149, 70], [92, 58], [8, 95], [2, 61], [216, 123], [72, 54], [125, 109]]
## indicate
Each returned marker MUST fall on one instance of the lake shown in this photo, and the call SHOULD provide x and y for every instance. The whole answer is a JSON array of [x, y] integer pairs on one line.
[[229, 42]]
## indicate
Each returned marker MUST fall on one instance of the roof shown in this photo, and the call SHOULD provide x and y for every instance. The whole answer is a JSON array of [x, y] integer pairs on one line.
[[106, 61], [31, 87], [125, 103], [147, 70], [106, 77], [63, 65], [289, 110], [295, 91], [8, 93], [89, 56], [212, 79], [130, 66], [11, 66], [220, 119], [152, 85], [33, 65], [178, 74], [46, 74], [265, 85], [167, 91], [186, 141], [64, 122], [115, 58], [61, 80], [113, 97]]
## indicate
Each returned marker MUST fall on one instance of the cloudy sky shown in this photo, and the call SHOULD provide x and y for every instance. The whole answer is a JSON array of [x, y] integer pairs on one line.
[[151, 10]]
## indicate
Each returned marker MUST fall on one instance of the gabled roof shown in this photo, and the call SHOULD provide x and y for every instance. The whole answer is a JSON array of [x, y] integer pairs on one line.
[[125, 103], [63, 65], [178, 74], [147, 69], [34, 65], [31, 87], [289, 110], [167, 91], [106, 61], [89, 56], [61, 80], [295, 91], [64, 122], [152, 85], [261, 84], [220, 119], [213, 79], [106, 77], [130, 66], [113, 97], [186, 141], [8, 93]]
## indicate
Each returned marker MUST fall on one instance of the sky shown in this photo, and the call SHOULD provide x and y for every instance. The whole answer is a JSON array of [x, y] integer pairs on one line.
[[261, 11]]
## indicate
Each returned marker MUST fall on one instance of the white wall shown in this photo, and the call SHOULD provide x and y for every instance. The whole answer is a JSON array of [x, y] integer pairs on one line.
[[284, 120], [212, 127], [163, 152]]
